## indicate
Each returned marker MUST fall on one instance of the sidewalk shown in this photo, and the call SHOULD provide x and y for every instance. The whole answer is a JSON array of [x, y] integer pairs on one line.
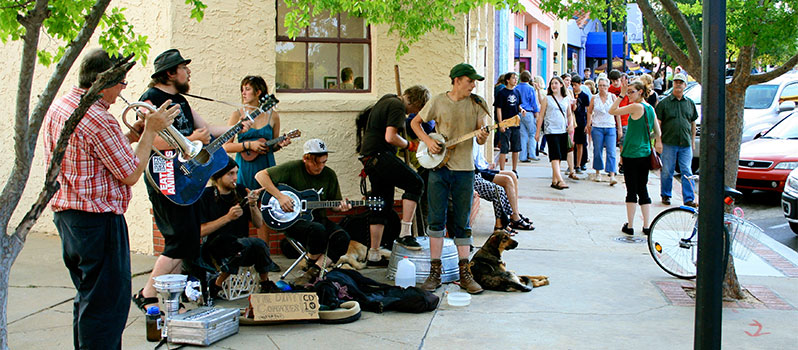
[[605, 293]]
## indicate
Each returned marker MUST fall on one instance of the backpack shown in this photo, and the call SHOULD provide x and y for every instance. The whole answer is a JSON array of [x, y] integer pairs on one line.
[[361, 121]]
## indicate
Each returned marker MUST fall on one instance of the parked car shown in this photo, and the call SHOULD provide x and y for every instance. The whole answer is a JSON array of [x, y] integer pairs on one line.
[[789, 200], [766, 161], [765, 104]]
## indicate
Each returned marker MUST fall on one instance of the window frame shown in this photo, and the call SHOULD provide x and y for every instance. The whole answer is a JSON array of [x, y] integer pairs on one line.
[[307, 40]]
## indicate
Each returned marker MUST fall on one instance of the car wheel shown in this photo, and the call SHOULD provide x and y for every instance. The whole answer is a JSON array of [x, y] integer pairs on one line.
[[794, 227]]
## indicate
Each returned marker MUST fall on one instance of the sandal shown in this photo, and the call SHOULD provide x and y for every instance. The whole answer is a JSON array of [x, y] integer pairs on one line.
[[521, 225], [507, 230], [560, 186], [526, 219], [573, 176], [142, 301]]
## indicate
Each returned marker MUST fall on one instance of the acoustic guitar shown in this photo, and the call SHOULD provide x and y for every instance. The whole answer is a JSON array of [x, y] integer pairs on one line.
[[304, 204], [183, 180], [250, 155], [437, 161]]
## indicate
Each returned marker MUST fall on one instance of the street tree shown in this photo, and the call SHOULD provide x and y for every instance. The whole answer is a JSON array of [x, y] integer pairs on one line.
[[71, 22], [757, 31]]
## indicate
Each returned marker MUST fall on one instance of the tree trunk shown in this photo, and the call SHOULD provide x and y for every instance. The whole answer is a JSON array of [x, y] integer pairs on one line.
[[10, 247], [735, 99]]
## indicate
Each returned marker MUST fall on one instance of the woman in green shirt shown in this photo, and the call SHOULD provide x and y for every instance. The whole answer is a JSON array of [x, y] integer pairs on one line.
[[636, 150]]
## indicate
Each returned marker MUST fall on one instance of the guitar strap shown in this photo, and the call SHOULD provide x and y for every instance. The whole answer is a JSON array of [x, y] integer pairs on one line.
[[478, 101]]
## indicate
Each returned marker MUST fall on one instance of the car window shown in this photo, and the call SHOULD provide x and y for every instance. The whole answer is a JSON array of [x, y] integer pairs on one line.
[[694, 93], [760, 96], [790, 90], [785, 129]]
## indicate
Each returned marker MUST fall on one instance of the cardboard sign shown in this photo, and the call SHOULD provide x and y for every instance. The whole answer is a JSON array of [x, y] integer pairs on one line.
[[284, 306]]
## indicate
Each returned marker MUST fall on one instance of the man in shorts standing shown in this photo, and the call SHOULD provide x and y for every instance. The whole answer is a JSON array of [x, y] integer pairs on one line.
[[508, 105]]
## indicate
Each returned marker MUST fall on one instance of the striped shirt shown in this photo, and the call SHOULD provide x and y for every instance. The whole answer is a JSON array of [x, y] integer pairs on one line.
[[97, 158]]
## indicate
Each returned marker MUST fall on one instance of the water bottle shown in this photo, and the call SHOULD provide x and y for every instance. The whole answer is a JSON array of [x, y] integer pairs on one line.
[[405, 273], [153, 323]]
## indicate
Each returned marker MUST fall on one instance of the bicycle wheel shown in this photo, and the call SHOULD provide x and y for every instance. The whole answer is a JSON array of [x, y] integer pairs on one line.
[[673, 242]]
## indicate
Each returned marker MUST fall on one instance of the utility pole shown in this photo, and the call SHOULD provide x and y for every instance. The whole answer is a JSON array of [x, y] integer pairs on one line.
[[609, 39], [711, 247]]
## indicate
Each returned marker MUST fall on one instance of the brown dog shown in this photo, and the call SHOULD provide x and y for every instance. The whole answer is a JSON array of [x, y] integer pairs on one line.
[[490, 271], [354, 259]]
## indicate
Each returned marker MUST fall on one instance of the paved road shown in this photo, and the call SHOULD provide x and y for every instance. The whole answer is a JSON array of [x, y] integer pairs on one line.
[[764, 209]]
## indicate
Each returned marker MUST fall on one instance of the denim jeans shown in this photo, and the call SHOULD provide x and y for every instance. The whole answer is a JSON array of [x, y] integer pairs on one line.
[[604, 139], [442, 184], [528, 143], [670, 156]]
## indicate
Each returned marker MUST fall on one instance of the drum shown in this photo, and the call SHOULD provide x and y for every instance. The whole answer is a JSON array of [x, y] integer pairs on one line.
[[450, 272]]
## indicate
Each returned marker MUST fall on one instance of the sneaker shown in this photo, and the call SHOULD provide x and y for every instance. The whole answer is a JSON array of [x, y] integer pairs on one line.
[[578, 170], [269, 287], [613, 181], [408, 242], [691, 204], [647, 231], [620, 169], [525, 161], [667, 200], [627, 230], [383, 262], [584, 168]]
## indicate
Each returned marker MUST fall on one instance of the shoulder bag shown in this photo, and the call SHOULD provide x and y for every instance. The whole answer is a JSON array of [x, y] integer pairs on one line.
[[570, 142], [653, 157]]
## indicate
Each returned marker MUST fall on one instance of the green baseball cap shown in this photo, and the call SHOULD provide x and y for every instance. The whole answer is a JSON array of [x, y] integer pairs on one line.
[[465, 69]]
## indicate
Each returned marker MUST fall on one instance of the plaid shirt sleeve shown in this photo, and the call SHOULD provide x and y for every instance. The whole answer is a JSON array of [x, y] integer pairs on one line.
[[112, 147]]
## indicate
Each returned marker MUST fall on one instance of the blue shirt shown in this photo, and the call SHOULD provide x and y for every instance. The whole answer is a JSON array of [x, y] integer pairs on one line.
[[528, 100]]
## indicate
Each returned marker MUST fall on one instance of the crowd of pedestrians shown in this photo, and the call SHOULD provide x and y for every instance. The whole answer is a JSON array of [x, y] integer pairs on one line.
[[614, 119]]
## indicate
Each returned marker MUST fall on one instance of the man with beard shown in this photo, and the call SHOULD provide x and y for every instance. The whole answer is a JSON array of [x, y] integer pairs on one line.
[[179, 225]]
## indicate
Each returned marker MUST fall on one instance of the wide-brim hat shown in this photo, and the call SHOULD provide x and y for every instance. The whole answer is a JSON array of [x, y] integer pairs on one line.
[[168, 59]]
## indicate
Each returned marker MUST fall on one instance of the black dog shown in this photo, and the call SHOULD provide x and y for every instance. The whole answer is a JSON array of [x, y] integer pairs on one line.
[[490, 272]]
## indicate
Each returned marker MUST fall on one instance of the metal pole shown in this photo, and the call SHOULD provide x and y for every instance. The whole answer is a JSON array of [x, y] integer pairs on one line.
[[609, 39], [623, 59], [709, 286]]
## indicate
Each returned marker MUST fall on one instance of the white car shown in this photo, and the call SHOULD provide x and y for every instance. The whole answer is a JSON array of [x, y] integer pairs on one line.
[[789, 200]]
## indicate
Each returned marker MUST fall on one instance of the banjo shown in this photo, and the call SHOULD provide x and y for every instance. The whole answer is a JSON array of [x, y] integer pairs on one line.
[[437, 161]]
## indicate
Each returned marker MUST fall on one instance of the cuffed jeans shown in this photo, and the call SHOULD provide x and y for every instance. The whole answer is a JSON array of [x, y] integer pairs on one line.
[[442, 184], [528, 143], [604, 139], [670, 156]]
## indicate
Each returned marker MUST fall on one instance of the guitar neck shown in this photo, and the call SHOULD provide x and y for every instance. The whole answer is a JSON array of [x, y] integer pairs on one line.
[[275, 141], [468, 136], [219, 141], [333, 204]]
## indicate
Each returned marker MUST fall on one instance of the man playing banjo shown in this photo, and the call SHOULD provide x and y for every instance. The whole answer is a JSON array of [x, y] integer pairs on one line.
[[456, 112]]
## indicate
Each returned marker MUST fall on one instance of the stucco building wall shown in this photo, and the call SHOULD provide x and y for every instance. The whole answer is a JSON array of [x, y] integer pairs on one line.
[[237, 38]]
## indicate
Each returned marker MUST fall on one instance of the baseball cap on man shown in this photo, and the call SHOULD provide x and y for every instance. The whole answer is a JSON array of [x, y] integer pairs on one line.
[[316, 146], [168, 59], [680, 76], [465, 69]]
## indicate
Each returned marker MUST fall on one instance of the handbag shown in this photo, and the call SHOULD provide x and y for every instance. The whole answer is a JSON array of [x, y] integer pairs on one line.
[[568, 137], [654, 161]]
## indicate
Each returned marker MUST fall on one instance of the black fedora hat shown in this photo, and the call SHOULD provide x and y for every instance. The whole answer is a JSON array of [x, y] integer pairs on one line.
[[168, 59]]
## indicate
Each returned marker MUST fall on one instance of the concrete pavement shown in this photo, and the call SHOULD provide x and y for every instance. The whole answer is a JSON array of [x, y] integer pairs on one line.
[[604, 293]]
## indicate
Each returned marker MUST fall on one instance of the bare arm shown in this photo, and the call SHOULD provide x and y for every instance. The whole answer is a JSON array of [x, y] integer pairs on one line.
[[392, 137], [254, 211], [433, 146], [589, 116], [263, 179], [209, 227]]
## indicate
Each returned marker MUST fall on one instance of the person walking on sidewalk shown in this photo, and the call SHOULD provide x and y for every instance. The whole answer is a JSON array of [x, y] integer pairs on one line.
[[556, 122], [508, 105], [455, 112], [605, 130], [540, 92], [677, 115], [99, 167], [636, 151], [580, 116], [386, 171], [529, 103]]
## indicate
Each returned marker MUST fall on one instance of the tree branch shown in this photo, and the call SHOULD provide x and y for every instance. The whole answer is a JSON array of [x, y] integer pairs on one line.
[[767, 76], [687, 34], [13, 189], [742, 70], [664, 37], [108, 78]]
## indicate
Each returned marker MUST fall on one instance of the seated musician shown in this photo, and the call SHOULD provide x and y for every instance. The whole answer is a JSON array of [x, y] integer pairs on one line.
[[226, 208], [324, 240]]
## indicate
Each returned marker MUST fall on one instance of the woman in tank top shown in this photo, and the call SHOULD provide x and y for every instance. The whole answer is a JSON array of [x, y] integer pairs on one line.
[[637, 147], [605, 131], [557, 122]]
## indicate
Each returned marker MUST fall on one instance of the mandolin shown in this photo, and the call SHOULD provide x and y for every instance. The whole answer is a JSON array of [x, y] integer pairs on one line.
[[250, 155]]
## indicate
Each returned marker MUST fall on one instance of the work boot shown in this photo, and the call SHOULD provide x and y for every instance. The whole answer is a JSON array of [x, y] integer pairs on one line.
[[433, 281], [308, 277], [467, 279]]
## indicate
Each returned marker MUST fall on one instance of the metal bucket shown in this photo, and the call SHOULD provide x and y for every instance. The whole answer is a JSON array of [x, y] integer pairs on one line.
[[421, 258], [173, 283]]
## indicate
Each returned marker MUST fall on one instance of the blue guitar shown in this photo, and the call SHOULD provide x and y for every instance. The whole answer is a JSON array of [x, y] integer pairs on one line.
[[181, 180]]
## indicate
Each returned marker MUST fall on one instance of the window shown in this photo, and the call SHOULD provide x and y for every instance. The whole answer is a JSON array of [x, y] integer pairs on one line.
[[333, 54]]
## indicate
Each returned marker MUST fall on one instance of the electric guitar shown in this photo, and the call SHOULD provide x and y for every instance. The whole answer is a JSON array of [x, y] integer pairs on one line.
[[181, 180], [304, 204], [437, 161], [250, 155]]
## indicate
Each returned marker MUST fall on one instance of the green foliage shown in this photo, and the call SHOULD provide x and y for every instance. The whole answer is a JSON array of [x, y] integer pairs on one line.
[[409, 19], [65, 20]]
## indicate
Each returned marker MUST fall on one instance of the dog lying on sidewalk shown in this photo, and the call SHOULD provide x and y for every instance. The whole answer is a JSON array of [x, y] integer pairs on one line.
[[490, 271]]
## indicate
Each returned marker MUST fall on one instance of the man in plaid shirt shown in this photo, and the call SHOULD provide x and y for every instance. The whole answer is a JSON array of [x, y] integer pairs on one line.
[[98, 168]]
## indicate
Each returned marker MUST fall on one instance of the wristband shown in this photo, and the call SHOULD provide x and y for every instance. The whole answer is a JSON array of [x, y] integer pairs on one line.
[[244, 145], [412, 146]]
